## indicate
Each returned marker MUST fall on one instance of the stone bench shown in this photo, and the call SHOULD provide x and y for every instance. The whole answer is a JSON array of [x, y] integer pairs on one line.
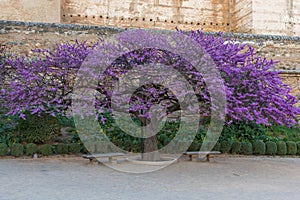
[[208, 154], [110, 156]]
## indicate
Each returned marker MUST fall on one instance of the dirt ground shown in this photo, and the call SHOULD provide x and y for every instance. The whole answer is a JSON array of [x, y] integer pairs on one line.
[[226, 178]]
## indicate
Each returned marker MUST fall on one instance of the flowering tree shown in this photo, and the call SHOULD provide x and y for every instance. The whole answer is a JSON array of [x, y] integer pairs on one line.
[[43, 84], [254, 90]]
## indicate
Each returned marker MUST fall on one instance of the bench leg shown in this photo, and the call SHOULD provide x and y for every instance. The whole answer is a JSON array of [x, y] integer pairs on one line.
[[113, 160], [207, 157], [190, 157]]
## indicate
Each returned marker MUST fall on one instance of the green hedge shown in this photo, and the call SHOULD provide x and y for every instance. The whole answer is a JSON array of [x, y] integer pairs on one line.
[[16, 150], [38, 129], [291, 148], [3, 149], [246, 148], [62, 148], [298, 148], [225, 147], [74, 148], [235, 148], [45, 150], [30, 149], [281, 148], [259, 148], [195, 146], [271, 148]]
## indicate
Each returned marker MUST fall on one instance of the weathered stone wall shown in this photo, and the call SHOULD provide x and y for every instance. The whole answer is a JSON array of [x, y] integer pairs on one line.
[[31, 10], [21, 37], [280, 17], [209, 15], [242, 13]]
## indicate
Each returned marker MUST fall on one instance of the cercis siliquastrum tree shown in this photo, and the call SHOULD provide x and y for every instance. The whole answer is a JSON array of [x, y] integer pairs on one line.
[[254, 89]]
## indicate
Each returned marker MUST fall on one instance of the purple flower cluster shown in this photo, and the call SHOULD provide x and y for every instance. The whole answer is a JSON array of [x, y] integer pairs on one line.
[[254, 89]]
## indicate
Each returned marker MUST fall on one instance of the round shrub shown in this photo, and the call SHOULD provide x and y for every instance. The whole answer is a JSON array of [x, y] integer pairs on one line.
[[45, 149], [101, 147], [16, 150], [30, 149], [216, 147], [298, 148], [246, 148], [74, 148], [39, 129], [209, 146], [291, 148], [62, 148], [281, 148], [89, 147], [195, 146], [235, 147], [259, 147], [3, 149], [271, 148], [225, 147]]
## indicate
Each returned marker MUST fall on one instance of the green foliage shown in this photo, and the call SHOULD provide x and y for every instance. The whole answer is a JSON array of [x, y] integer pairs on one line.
[[89, 147], [235, 147], [74, 148], [259, 147], [217, 147], [62, 148], [244, 131], [246, 148], [30, 149], [298, 147], [45, 150], [66, 121], [210, 146], [271, 148], [225, 147], [3, 149], [281, 148], [16, 150], [8, 126], [195, 146], [39, 129], [284, 132], [291, 148]]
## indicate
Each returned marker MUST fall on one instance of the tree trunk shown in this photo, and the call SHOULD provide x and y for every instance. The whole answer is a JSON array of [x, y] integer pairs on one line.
[[150, 149]]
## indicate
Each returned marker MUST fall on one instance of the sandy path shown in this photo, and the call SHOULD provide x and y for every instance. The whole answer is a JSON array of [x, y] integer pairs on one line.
[[231, 178]]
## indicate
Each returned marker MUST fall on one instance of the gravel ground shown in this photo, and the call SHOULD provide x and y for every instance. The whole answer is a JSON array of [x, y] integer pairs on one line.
[[226, 178]]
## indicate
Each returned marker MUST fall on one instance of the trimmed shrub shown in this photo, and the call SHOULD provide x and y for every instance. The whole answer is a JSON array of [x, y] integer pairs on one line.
[[62, 148], [74, 148], [259, 147], [216, 147], [235, 147], [195, 146], [16, 150], [291, 148], [89, 147], [30, 149], [246, 148], [45, 149], [3, 149], [225, 147], [37, 129], [209, 146], [271, 148], [298, 148], [101, 147], [281, 148]]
